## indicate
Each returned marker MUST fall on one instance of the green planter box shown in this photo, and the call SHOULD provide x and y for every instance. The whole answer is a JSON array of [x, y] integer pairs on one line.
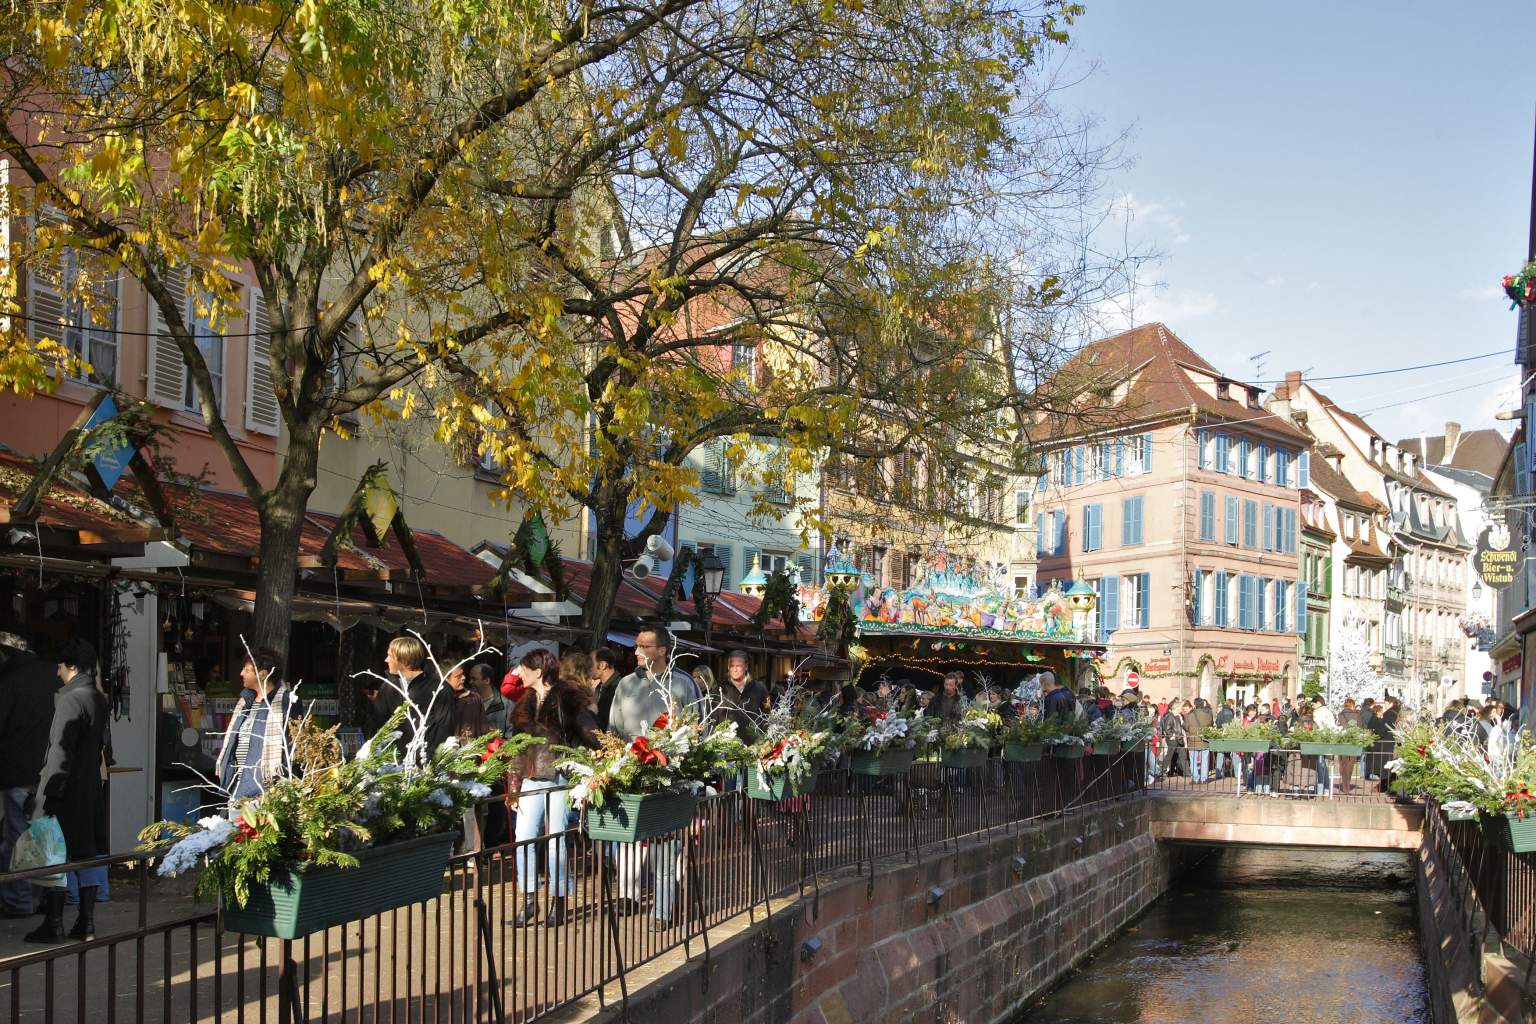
[[1023, 752], [1107, 748], [1136, 748], [1239, 746], [311, 899], [1329, 749], [1460, 814], [1520, 833], [633, 817], [1067, 751], [777, 785], [888, 762], [965, 757]]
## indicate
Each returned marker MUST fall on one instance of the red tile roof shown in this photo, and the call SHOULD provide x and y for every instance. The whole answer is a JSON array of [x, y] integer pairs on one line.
[[446, 564], [1160, 366], [65, 506]]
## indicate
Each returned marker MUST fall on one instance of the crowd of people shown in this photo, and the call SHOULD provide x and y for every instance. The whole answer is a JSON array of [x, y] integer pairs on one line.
[[55, 745]]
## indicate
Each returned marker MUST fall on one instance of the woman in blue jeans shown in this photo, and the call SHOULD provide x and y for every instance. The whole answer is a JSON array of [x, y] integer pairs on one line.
[[558, 711]]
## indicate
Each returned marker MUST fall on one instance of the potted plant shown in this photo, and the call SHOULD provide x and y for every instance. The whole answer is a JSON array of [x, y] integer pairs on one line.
[[1346, 741], [1451, 765], [339, 840], [883, 743], [965, 743], [1237, 738], [649, 786], [1134, 733], [792, 747], [1024, 739], [1070, 741]]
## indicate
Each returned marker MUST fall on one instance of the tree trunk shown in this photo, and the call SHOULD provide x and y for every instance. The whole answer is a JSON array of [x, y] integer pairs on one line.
[[607, 570], [282, 524]]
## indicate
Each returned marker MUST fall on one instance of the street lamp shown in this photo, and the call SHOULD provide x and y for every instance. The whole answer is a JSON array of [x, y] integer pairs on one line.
[[714, 580], [1081, 597], [1477, 590]]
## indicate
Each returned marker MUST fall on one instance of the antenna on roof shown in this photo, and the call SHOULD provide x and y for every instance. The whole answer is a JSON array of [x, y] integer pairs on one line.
[[1258, 364]]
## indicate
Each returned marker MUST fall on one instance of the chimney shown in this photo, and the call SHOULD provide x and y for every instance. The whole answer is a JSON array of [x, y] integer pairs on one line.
[[1336, 460], [1452, 442], [1292, 383]]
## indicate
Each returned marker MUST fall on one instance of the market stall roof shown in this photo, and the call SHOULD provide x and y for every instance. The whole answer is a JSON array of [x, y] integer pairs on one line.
[[69, 514], [222, 531]]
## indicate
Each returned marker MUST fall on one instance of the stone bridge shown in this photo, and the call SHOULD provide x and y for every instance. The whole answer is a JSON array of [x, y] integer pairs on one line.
[[1261, 821]]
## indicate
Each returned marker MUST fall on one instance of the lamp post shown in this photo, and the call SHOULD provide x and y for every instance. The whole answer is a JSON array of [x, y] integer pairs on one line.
[[714, 580]]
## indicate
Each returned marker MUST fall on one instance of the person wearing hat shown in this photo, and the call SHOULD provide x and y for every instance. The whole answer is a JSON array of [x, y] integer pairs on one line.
[[27, 687]]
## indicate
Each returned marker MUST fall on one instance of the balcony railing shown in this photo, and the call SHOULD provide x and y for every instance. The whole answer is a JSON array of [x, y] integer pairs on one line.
[[461, 957]]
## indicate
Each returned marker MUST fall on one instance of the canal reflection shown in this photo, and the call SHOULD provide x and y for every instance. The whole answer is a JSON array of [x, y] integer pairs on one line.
[[1253, 937]]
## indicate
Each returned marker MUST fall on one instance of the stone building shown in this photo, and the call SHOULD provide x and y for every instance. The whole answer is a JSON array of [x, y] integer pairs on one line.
[[1181, 506]]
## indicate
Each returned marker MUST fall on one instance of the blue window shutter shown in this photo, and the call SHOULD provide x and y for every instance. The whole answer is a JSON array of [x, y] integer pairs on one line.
[[1125, 523], [1263, 460], [1146, 453], [1200, 458], [1230, 533], [1061, 531], [1207, 516], [1119, 457], [1301, 607], [1291, 518], [1283, 592], [1144, 598], [1220, 597], [1080, 461], [1242, 601], [1242, 458], [1260, 589], [1197, 597], [1221, 453], [1304, 470], [1110, 616], [1040, 484], [1270, 528], [1282, 467], [1250, 524]]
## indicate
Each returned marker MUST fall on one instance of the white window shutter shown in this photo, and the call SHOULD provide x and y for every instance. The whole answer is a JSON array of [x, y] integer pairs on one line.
[[167, 369], [45, 292], [261, 412]]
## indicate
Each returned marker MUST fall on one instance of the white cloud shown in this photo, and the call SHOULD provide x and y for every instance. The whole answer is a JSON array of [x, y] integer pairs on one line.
[[1277, 281], [1480, 293], [1176, 306], [1312, 285], [1166, 224]]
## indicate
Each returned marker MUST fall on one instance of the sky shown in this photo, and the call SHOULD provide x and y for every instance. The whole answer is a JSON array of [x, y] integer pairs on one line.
[[1340, 185]]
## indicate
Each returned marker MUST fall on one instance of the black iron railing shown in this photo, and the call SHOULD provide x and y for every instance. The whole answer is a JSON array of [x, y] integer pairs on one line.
[[1276, 772], [463, 956], [1495, 888]]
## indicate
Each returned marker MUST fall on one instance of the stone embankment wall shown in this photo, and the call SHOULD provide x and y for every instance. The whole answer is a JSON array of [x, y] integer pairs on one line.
[[1015, 913]]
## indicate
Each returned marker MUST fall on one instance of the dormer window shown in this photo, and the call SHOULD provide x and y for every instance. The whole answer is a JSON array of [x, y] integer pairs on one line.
[[1253, 398], [1223, 389]]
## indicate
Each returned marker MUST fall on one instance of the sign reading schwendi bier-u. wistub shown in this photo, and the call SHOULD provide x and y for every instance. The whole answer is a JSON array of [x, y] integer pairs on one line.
[[1496, 560]]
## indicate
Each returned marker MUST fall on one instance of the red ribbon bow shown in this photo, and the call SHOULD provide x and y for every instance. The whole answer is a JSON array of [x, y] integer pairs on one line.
[[246, 832], [778, 748], [647, 754], [662, 721], [491, 748]]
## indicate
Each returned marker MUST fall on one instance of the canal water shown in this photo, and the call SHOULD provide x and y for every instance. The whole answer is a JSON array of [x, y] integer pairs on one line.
[[1254, 937]]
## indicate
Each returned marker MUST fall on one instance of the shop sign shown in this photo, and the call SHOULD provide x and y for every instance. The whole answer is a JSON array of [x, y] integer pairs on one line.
[[1510, 666], [1495, 560], [1159, 664]]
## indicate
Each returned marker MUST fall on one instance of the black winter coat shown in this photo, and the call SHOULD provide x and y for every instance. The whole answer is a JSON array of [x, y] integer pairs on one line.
[[28, 685], [563, 718], [745, 707], [442, 720], [70, 788]]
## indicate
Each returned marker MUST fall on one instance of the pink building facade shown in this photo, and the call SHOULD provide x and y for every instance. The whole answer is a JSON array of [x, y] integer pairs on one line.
[[1185, 517]]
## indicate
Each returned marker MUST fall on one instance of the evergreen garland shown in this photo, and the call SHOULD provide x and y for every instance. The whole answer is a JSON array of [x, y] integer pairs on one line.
[[838, 625], [779, 599]]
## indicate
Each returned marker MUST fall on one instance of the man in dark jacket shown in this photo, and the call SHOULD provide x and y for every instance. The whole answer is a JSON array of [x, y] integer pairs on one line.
[[742, 699], [27, 687], [949, 702], [1197, 721], [1055, 700], [70, 786], [406, 661], [605, 673], [1224, 763]]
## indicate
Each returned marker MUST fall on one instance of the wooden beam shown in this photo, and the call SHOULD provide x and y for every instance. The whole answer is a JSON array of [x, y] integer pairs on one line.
[[25, 509]]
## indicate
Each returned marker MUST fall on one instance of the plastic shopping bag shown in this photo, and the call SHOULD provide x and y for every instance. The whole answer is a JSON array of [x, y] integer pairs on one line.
[[40, 846]]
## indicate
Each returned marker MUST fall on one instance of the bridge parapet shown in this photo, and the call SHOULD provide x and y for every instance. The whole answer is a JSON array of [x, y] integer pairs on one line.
[[1260, 821]]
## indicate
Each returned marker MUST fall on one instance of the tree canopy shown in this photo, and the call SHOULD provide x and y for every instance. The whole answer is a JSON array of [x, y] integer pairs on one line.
[[551, 225]]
